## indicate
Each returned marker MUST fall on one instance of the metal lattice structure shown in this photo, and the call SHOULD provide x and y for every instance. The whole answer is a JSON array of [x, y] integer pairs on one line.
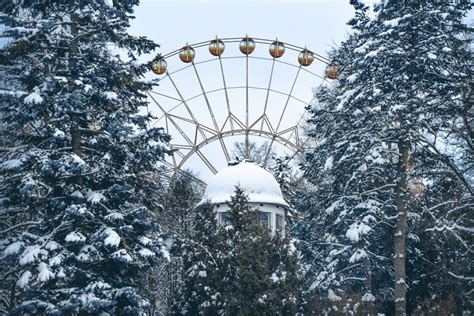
[[198, 119]]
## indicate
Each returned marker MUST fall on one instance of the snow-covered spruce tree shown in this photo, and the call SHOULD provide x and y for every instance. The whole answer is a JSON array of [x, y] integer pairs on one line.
[[76, 224], [177, 220], [291, 185], [238, 268], [261, 271], [383, 156], [201, 271]]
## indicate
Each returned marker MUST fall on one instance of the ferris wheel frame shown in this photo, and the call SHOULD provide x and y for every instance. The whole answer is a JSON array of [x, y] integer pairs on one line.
[[237, 126]]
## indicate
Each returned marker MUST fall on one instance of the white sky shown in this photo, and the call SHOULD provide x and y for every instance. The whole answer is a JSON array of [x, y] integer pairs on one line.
[[315, 23]]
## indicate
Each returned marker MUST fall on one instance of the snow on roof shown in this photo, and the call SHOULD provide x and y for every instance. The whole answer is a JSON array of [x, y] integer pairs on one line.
[[256, 182]]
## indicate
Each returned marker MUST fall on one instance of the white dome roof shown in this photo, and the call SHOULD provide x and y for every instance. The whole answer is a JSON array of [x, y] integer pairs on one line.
[[256, 182]]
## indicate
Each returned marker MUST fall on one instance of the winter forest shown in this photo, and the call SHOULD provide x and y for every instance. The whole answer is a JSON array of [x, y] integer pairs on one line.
[[375, 218]]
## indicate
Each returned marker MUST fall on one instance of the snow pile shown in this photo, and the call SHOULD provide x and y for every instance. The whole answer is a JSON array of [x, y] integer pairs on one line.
[[10, 164], [331, 208], [44, 273], [145, 240], [109, 3], [75, 237], [392, 23], [333, 297], [30, 254], [165, 253], [329, 163], [145, 252], [368, 297], [55, 261], [112, 239], [256, 182], [24, 279], [110, 95], [34, 97], [356, 230], [61, 274], [95, 197], [51, 245], [13, 248], [114, 216], [122, 255], [357, 256]]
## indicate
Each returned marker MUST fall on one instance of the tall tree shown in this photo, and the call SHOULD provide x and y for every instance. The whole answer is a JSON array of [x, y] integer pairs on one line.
[[384, 155], [78, 160]]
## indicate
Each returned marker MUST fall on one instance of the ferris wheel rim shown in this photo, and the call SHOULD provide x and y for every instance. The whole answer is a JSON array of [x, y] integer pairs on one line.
[[293, 47]]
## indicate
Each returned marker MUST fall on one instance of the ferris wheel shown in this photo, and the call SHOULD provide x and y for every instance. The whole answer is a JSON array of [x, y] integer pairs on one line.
[[214, 94]]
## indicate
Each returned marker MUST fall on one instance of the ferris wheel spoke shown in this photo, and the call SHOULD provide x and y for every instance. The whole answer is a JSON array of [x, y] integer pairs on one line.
[[247, 153], [226, 93], [205, 98], [224, 149], [206, 161], [184, 102], [268, 90], [288, 99], [177, 117], [269, 149], [156, 102]]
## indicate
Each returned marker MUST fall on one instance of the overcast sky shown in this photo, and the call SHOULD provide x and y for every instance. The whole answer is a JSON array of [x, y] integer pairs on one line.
[[319, 24]]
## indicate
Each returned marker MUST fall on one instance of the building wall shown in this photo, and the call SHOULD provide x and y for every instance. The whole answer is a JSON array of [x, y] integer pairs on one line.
[[262, 207]]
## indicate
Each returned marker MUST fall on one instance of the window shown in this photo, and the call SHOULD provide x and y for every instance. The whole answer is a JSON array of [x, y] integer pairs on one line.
[[279, 222], [264, 218], [224, 218]]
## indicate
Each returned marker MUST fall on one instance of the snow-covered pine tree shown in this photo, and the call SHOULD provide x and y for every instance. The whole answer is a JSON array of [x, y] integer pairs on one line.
[[383, 136], [238, 268], [177, 220], [201, 271], [76, 224], [261, 270], [290, 185]]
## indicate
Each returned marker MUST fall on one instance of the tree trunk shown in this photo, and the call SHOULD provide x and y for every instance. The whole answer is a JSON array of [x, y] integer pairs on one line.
[[401, 229]]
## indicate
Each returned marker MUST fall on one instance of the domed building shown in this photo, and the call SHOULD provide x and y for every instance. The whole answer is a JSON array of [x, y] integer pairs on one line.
[[263, 191]]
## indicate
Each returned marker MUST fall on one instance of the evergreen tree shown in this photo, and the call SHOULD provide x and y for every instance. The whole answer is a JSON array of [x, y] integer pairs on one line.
[[385, 157], [77, 227], [292, 186], [178, 220], [201, 291], [239, 268], [262, 269]]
